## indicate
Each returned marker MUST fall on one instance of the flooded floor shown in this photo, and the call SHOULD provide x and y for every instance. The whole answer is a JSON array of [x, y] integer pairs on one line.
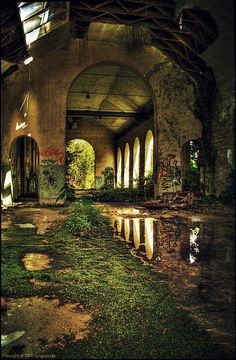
[[195, 255]]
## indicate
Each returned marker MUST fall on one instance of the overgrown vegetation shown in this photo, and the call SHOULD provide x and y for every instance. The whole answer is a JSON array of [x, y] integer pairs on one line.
[[134, 313], [84, 217], [66, 193], [80, 162], [144, 189]]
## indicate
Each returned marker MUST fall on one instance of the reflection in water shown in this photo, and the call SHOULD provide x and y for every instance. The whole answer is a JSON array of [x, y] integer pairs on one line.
[[198, 258], [149, 237], [136, 233], [127, 229], [119, 225], [194, 232]]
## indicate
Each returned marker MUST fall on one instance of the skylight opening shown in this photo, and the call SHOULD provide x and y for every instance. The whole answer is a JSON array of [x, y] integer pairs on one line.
[[40, 18], [29, 9]]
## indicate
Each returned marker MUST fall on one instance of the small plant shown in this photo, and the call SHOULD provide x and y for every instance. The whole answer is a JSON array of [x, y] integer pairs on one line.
[[66, 193], [85, 217]]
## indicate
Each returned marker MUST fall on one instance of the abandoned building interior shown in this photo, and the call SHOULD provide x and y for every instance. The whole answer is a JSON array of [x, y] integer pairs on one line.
[[145, 83], [118, 151]]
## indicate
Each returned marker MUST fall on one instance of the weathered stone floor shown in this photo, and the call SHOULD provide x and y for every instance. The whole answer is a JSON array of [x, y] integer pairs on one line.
[[202, 278]]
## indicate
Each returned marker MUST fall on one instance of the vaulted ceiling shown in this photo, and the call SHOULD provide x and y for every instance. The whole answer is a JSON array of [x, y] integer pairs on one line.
[[110, 96]]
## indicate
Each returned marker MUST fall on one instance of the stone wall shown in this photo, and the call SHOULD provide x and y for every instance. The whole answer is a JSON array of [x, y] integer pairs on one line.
[[223, 137], [47, 81], [176, 122]]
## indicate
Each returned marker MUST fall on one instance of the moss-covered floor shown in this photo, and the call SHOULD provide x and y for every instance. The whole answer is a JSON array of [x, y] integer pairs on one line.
[[127, 311]]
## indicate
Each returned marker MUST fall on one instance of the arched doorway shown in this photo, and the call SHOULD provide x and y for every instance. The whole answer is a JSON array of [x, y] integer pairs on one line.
[[80, 160], [24, 157], [136, 162], [126, 166], [119, 168]]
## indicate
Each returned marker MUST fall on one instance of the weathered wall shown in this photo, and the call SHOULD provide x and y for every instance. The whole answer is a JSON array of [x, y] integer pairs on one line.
[[223, 138], [48, 79], [176, 121]]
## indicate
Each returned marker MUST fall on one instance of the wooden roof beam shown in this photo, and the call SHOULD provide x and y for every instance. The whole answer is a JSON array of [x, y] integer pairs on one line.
[[201, 21], [133, 13]]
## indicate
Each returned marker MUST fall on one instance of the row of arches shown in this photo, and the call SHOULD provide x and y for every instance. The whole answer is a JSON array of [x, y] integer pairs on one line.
[[131, 177], [24, 161]]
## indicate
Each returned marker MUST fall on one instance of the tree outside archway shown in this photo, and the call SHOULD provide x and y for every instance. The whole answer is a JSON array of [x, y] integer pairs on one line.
[[80, 160]]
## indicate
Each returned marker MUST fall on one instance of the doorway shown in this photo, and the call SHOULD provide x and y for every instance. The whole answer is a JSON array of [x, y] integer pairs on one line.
[[24, 158]]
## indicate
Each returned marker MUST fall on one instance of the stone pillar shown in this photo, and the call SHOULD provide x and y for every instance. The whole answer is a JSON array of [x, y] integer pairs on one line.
[[51, 174]]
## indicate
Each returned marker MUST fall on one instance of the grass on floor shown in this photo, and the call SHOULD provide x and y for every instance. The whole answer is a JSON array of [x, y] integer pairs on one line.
[[135, 315]]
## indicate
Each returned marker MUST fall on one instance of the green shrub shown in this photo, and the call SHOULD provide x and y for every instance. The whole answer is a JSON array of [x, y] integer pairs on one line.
[[66, 193], [85, 217]]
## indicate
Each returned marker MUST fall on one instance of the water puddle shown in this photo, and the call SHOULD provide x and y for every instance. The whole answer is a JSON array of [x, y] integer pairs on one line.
[[197, 259], [36, 261], [45, 323]]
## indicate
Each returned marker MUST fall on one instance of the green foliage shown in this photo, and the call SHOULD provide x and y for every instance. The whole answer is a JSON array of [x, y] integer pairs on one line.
[[66, 193], [80, 161], [108, 178], [85, 217], [194, 155]]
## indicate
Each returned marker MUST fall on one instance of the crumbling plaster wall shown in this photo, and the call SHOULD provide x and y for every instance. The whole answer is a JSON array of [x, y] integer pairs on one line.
[[175, 122], [48, 79]]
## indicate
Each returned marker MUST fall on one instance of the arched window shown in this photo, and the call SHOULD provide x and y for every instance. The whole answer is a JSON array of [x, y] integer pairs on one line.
[[119, 168], [148, 170], [126, 166], [136, 162]]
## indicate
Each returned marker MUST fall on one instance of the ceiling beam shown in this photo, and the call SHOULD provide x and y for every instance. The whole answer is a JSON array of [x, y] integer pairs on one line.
[[89, 113]]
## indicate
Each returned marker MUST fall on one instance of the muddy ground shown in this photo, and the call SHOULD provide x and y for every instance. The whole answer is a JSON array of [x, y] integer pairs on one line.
[[49, 322]]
